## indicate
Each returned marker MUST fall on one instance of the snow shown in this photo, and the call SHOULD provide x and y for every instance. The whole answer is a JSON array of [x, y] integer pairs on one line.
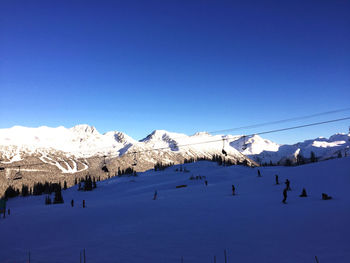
[[66, 168], [14, 158], [123, 224], [265, 151], [84, 141], [81, 140]]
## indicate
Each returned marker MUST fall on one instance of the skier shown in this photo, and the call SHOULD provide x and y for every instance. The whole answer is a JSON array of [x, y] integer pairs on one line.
[[206, 183], [83, 203], [303, 193], [72, 203], [233, 190], [284, 195], [8, 211], [326, 197], [259, 174], [288, 185], [155, 195], [276, 177]]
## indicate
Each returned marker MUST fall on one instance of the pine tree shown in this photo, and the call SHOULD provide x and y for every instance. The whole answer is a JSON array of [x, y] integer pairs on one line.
[[58, 199], [300, 159], [288, 162], [25, 190], [88, 184], [47, 200], [11, 192], [313, 157]]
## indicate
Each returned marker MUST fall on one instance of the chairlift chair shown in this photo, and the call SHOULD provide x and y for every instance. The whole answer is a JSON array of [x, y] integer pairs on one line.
[[244, 146], [104, 167], [18, 174], [135, 159], [223, 148]]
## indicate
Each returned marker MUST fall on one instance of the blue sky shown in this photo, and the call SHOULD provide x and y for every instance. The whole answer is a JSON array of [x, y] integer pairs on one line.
[[183, 66]]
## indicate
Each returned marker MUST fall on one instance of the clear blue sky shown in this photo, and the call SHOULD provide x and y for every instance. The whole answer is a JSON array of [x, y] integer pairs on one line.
[[183, 66]]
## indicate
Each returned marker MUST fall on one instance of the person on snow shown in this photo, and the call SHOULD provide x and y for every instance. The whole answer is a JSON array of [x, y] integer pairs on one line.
[[83, 203], [276, 178], [259, 174], [326, 197], [284, 195], [233, 190], [303, 193], [155, 195], [288, 185], [206, 183], [72, 203]]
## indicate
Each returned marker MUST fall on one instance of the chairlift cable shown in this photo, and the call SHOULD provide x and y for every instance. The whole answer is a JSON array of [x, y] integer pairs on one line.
[[211, 141]]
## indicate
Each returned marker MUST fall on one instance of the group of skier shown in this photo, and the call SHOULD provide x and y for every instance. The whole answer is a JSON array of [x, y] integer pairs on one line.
[[72, 203], [285, 190]]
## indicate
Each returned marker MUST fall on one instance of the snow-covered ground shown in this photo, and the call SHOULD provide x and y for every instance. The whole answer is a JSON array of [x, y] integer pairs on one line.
[[122, 223]]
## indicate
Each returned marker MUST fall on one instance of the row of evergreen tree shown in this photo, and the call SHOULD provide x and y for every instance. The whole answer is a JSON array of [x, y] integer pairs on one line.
[[219, 159], [300, 160], [87, 184], [48, 187], [159, 166], [58, 198], [37, 189], [127, 171]]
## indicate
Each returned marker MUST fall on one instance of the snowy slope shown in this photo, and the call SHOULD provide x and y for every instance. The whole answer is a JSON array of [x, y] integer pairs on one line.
[[123, 224]]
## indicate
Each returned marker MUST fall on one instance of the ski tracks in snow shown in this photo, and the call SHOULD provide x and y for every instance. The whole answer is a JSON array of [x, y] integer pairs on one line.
[[65, 166]]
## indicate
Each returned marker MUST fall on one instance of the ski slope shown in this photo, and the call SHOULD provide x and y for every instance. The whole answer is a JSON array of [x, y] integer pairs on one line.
[[122, 223]]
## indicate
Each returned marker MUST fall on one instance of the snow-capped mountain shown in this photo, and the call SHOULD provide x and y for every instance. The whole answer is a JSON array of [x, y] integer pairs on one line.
[[84, 141], [56, 153], [80, 141], [265, 151]]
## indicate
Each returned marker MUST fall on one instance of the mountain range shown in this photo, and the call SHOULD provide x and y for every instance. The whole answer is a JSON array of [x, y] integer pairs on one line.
[[61, 153]]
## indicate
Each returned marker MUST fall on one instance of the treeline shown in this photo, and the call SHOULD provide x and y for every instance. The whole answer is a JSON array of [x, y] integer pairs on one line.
[[300, 160], [160, 166], [87, 184], [58, 198], [37, 189], [219, 159], [127, 171]]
